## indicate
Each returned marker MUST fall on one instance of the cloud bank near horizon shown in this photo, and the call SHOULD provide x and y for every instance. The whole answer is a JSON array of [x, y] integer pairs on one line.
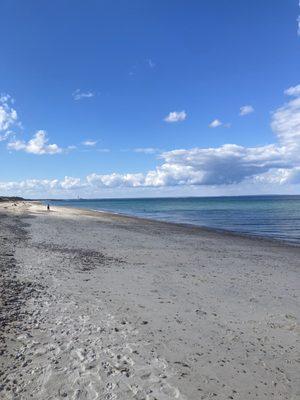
[[229, 164]]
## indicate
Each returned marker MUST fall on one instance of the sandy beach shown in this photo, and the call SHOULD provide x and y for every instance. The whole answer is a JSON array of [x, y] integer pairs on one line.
[[100, 306]]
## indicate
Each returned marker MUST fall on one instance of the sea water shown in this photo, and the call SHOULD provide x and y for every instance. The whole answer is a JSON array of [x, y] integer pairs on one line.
[[276, 217]]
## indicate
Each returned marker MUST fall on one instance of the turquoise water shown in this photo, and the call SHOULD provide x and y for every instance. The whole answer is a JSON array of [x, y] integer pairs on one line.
[[275, 217]]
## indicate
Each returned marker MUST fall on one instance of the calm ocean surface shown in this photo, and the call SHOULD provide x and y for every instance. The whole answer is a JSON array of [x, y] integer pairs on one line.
[[275, 217]]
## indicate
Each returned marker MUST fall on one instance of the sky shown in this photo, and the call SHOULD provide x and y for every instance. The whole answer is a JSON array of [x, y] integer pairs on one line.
[[118, 98]]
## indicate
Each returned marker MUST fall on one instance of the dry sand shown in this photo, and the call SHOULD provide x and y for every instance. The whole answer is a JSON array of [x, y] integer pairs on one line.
[[99, 306]]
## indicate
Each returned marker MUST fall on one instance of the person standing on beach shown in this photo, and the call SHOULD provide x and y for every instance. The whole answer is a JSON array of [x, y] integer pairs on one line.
[[48, 207]]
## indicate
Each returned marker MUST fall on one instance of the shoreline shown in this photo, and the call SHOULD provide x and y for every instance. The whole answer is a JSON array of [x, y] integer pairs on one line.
[[102, 306], [201, 228]]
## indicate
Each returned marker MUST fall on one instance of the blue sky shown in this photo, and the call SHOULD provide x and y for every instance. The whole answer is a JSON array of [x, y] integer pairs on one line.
[[147, 88]]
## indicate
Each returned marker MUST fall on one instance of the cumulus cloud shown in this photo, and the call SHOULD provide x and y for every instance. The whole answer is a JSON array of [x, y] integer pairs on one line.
[[70, 183], [286, 121], [293, 91], [115, 180], [8, 115], [9, 119], [298, 23], [215, 123], [89, 143], [227, 164], [146, 150], [291, 176], [151, 63], [42, 186], [244, 110], [37, 145], [4, 136], [230, 164], [281, 176], [79, 94], [176, 116]]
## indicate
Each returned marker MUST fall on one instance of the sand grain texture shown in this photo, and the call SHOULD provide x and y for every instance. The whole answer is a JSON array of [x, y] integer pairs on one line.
[[99, 306]]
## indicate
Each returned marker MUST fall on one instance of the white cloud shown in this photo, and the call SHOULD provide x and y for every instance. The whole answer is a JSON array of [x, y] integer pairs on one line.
[[42, 186], [298, 23], [286, 121], [89, 143], [37, 145], [115, 180], [281, 176], [224, 166], [151, 63], [70, 183], [291, 176], [4, 136], [227, 164], [215, 123], [244, 110], [146, 150], [8, 115], [293, 91], [176, 116], [9, 119], [79, 95]]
